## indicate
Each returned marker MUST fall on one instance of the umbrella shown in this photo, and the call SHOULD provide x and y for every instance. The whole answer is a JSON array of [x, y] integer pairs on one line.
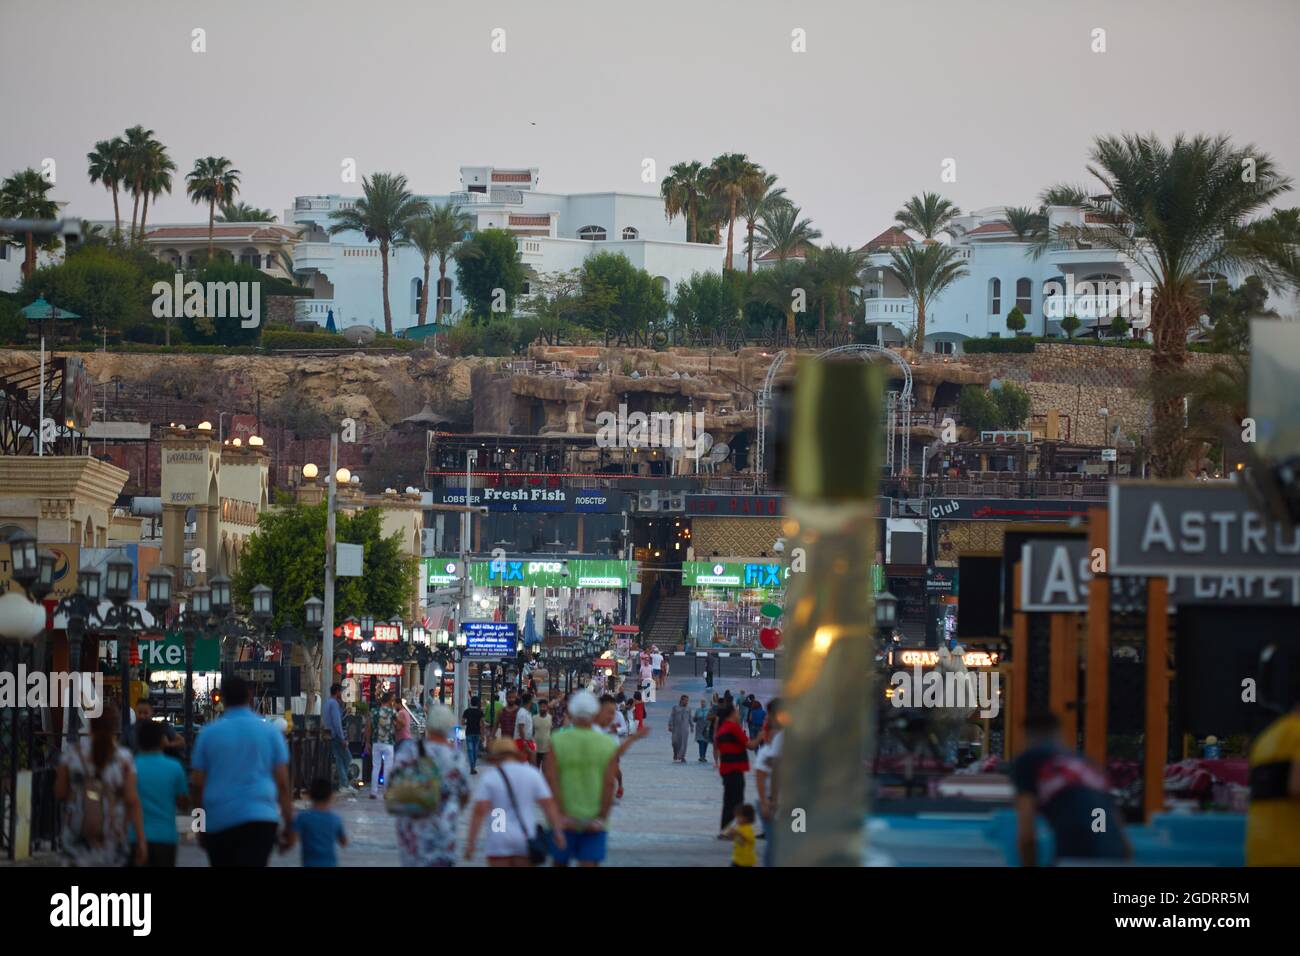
[[329, 321]]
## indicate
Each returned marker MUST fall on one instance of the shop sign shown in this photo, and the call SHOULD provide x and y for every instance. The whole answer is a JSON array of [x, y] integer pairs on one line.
[[734, 574], [1054, 575], [1007, 509], [387, 633], [440, 572], [490, 639], [565, 500], [369, 669], [940, 580], [1255, 590], [167, 653], [523, 573], [1167, 528]]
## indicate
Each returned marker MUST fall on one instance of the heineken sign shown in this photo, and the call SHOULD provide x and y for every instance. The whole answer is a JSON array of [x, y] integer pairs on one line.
[[1183, 528], [528, 573]]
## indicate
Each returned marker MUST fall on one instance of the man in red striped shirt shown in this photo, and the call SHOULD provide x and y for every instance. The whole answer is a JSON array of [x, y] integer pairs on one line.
[[731, 758]]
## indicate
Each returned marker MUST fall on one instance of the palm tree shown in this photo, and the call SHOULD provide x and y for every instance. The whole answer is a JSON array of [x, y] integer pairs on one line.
[[727, 179], [761, 195], [384, 214], [684, 194], [1180, 210], [778, 285], [107, 165], [1025, 222], [781, 232], [156, 177], [437, 232], [137, 158], [23, 196], [925, 271], [840, 272], [1062, 195], [212, 180], [929, 214], [242, 212]]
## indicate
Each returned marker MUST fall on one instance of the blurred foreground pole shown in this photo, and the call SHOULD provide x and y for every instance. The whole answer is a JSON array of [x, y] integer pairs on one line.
[[834, 440]]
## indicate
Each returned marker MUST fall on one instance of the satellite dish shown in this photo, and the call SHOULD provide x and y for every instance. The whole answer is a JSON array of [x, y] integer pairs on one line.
[[359, 334], [704, 442], [719, 452]]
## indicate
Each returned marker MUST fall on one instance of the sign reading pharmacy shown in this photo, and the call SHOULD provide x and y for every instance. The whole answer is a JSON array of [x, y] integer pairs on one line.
[[490, 639], [526, 573], [1194, 527]]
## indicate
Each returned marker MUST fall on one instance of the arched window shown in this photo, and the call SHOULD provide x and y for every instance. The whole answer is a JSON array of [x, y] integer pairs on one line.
[[593, 233], [417, 293], [1024, 296], [249, 256], [995, 297], [629, 232]]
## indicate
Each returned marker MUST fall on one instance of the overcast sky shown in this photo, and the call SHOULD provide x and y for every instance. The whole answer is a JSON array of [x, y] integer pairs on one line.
[[886, 91]]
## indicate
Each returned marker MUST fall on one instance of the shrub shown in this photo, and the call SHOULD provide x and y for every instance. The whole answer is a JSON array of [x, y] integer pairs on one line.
[[1016, 320], [1017, 344]]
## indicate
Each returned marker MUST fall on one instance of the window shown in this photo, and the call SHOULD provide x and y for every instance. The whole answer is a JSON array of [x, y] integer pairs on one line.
[[592, 233], [995, 297], [629, 232], [417, 289], [1024, 296], [444, 295], [528, 288], [945, 348]]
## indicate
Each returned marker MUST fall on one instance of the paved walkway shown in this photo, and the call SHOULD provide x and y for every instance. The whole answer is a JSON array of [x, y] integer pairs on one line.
[[668, 816]]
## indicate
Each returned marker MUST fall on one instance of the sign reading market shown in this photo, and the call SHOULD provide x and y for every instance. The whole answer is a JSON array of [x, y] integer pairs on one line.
[[529, 573]]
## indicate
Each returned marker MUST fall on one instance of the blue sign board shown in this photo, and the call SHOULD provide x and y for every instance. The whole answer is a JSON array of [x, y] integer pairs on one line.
[[490, 639]]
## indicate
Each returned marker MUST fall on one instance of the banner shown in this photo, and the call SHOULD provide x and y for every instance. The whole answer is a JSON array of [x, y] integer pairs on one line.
[[542, 573]]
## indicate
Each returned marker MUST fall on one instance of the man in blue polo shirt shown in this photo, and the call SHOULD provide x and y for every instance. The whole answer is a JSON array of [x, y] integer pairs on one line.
[[240, 779]]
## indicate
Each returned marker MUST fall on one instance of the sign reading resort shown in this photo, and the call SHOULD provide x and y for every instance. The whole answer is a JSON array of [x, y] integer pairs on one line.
[[1195, 528], [489, 639]]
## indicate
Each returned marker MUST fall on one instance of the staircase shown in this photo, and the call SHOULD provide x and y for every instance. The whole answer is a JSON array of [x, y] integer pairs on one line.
[[668, 625]]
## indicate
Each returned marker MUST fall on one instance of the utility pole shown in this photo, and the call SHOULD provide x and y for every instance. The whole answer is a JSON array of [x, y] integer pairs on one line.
[[327, 618], [460, 689]]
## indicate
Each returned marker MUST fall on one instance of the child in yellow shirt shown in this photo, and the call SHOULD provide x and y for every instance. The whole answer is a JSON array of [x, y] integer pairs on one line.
[[741, 831]]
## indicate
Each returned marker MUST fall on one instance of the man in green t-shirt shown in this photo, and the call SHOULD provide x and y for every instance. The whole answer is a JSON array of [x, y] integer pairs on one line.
[[581, 773]]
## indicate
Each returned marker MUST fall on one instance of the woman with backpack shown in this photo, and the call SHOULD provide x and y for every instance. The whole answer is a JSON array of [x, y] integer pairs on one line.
[[96, 783], [427, 791]]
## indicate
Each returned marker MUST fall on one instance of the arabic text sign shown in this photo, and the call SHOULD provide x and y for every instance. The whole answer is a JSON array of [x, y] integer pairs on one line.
[[1054, 575], [1195, 527], [491, 639], [1007, 509]]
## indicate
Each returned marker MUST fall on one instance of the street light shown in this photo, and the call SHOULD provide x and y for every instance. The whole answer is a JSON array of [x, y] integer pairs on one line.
[[886, 613], [118, 586], [367, 625], [22, 550], [88, 584], [261, 595], [158, 595], [313, 608], [201, 600], [221, 603]]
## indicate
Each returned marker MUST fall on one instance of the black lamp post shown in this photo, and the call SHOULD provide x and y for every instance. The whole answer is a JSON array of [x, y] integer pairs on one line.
[[23, 559], [886, 615], [123, 619]]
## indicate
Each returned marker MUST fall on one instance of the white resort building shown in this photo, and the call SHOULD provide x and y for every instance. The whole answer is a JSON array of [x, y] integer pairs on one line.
[[555, 232]]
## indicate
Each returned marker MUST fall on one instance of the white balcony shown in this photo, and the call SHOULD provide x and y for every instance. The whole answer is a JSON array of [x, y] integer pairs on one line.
[[529, 248], [313, 310], [899, 311]]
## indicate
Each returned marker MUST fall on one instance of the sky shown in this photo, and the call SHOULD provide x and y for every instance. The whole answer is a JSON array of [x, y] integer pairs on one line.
[[589, 89]]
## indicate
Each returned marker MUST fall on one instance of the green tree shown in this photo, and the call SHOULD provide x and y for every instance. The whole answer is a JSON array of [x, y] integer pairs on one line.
[[761, 196], [105, 287], [1025, 222], [684, 193], [210, 330], [1119, 327], [438, 232], [785, 286], [977, 409], [155, 177], [242, 212], [1013, 404], [212, 180], [1230, 312], [384, 214], [107, 164], [839, 271], [925, 271], [727, 180], [24, 195], [781, 232], [1016, 320], [617, 297], [287, 554], [487, 261], [708, 302], [929, 214], [138, 155], [1181, 210], [1070, 324]]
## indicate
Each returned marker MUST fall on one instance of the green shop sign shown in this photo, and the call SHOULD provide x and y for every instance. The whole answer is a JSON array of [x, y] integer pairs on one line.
[[525, 573], [441, 572], [168, 653], [748, 575]]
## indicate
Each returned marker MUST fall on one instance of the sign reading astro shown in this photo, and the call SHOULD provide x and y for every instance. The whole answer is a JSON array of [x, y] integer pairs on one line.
[[528, 573], [1055, 574], [1176, 528], [490, 639]]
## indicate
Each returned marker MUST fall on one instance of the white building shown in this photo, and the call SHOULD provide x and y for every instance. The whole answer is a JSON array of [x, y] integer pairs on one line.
[[555, 232], [1093, 284]]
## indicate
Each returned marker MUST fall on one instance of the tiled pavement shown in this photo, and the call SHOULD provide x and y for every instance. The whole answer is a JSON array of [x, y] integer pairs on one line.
[[668, 815]]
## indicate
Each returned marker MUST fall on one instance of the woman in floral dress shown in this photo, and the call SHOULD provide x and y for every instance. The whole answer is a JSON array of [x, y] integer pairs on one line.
[[431, 840]]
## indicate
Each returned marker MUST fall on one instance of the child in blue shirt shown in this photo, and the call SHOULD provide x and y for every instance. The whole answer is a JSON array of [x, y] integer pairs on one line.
[[320, 829]]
